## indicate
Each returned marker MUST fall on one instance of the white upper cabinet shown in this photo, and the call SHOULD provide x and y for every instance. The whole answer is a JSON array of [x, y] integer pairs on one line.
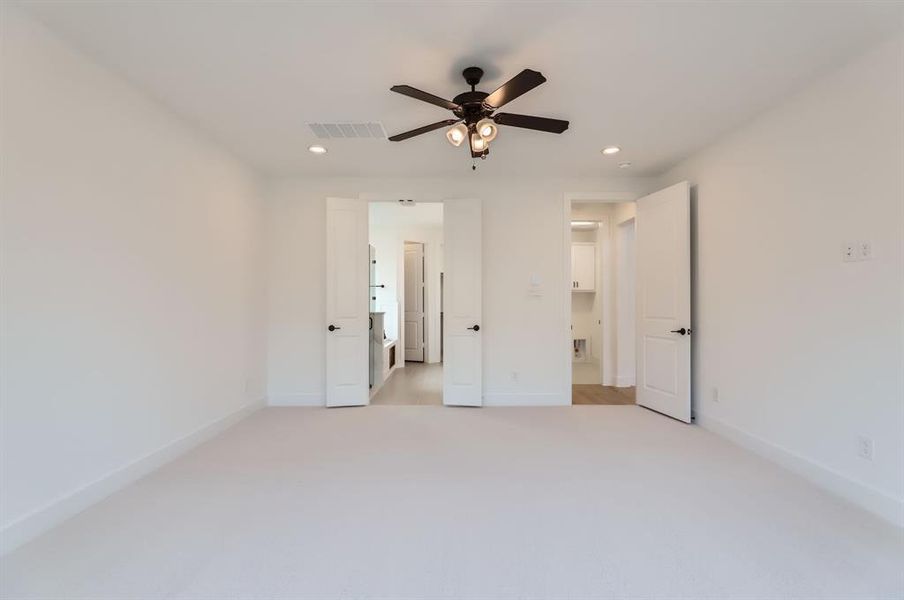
[[583, 266]]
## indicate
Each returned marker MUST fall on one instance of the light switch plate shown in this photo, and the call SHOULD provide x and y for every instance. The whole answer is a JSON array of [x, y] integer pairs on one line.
[[849, 252]]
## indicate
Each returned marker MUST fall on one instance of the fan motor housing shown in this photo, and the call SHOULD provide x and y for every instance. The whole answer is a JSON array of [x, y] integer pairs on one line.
[[470, 106]]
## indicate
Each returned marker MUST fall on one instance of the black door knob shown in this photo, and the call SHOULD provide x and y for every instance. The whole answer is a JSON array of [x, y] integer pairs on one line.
[[681, 331], [333, 328], [475, 328]]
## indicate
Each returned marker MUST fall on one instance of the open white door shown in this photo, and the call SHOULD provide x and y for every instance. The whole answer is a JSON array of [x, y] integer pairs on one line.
[[347, 294], [462, 277], [663, 255]]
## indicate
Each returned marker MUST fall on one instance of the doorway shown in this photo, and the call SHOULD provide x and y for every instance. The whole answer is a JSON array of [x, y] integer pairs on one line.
[[407, 238], [408, 334], [655, 248], [602, 298]]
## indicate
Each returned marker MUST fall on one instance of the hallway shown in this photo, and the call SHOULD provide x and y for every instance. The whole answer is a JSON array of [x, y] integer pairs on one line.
[[415, 384]]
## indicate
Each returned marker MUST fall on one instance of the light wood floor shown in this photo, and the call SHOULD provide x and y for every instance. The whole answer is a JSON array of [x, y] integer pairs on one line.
[[416, 383], [601, 394]]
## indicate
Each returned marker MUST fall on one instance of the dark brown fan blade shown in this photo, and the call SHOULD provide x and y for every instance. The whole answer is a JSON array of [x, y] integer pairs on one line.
[[407, 90], [529, 122], [521, 83], [424, 129]]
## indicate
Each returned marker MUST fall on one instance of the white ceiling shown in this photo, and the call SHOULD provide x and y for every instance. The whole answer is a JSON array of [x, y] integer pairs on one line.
[[659, 79]]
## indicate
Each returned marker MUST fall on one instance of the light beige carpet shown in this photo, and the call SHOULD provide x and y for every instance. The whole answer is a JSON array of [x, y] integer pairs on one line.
[[412, 502]]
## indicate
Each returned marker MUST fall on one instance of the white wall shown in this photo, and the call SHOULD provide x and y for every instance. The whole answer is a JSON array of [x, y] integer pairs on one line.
[[804, 349], [524, 336], [391, 226], [132, 305]]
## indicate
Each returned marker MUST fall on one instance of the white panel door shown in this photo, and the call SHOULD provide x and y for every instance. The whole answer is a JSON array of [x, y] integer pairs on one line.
[[462, 327], [663, 292], [347, 302], [414, 302]]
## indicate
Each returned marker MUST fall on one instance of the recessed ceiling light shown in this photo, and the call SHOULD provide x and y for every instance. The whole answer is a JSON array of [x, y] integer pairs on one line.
[[611, 150], [317, 149], [624, 165]]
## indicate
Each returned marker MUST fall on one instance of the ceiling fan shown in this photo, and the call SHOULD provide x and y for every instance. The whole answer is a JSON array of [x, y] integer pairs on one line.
[[475, 112]]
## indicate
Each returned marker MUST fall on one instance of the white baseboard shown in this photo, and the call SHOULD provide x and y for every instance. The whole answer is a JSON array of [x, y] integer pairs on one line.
[[524, 399], [306, 399], [624, 381], [865, 496], [51, 514]]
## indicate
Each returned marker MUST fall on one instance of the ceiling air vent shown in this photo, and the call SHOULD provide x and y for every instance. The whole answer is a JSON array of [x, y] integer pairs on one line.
[[366, 130]]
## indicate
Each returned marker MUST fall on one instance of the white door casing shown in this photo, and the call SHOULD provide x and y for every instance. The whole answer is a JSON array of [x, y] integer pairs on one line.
[[625, 306], [414, 302], [663, 301], [347, 302], [462, 303]]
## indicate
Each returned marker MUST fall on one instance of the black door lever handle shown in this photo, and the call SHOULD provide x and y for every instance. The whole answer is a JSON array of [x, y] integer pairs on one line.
[[333, 328], [681, 331], [475, 328]]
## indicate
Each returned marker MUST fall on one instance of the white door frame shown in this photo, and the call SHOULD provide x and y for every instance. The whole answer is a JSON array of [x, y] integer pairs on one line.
[[565, 286]]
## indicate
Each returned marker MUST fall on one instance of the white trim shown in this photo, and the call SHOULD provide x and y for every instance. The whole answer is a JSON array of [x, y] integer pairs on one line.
[[624, 381], [565, 286], [51, 514], [607, 358], [395, 196], [863, 495], [625, 329], [298, 399], [601, 196], [567, 344], [526, 399]]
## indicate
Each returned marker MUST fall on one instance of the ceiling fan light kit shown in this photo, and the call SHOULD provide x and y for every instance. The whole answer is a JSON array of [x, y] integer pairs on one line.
[[457, 134], [475, 112], [478, 144], [487, 129]]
